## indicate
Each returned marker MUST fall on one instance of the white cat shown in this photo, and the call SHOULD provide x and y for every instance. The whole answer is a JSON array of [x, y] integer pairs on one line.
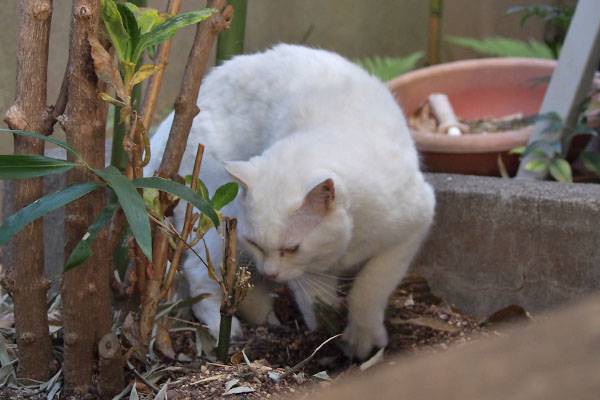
[[330, 180]]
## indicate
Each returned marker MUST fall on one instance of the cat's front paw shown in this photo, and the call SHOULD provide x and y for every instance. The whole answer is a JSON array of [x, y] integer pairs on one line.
[[362, 338]]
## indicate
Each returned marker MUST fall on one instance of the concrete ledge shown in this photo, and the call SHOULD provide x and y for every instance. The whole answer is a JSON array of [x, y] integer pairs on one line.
[[497, 242]]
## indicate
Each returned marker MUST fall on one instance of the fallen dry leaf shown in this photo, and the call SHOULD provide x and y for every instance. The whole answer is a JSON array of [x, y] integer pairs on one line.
[[163, 343]]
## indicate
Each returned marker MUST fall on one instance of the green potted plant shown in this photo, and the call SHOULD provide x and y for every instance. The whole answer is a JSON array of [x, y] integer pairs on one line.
[[509, 89]]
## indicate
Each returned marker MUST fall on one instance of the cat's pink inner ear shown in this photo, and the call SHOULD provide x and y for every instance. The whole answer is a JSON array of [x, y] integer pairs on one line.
[[243, 172], [319, 199]]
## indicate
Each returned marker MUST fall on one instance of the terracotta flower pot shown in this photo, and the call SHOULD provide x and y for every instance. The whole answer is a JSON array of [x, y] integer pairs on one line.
[[480, 88]]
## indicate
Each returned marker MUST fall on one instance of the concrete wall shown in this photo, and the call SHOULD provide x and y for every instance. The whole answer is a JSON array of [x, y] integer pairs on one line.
[[497, 242]]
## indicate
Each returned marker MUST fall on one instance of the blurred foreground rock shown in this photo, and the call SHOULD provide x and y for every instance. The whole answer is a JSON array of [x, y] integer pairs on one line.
[[556, 357]]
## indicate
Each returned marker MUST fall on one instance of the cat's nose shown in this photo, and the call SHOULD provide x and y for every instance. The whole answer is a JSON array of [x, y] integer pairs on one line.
[[270, 270], [272, 275]]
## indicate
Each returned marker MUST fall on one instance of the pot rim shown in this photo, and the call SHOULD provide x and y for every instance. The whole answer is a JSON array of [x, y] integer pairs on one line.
[[476, 142], [471, 142], [470, 64]]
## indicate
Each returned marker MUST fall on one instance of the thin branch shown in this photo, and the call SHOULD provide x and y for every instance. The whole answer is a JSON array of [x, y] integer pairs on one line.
[[185, 104], [187, 225], [155, 82]]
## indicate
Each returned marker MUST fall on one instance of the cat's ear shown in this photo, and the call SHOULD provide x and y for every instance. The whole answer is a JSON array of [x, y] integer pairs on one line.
[[243, 172], [318, 200]]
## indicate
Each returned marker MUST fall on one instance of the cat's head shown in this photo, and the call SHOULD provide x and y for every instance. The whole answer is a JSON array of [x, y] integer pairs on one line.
[[292, 222]]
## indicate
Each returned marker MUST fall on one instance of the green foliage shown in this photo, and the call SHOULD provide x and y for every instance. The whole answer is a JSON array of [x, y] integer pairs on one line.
[[83, 250], [165, 30], [134, 207], [20, 166], [550, 155], [181, 191], [223, 195], [504, 47], [560, 169], [386, 68], [558, 14], [591, 161], [57, 142], [132, 30], [41, 207], [116, 32]]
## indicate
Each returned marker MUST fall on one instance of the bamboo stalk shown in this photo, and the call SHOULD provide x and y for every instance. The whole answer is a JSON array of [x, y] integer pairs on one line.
[[231, 41], [435, 17]]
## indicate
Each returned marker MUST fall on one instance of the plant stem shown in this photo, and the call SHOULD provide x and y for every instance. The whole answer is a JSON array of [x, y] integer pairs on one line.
[[185, 111], [231, 41], [435, 32], [222, 350], [187, 226], [24, 278], [228, 274], [84, 290], [185, 104], [118, 156]]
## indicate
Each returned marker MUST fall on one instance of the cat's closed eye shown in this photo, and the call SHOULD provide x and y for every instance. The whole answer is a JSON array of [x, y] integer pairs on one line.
[[289, 250], [253, 244]]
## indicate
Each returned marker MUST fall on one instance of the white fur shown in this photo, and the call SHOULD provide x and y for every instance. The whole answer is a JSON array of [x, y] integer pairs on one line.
[[286, 121]]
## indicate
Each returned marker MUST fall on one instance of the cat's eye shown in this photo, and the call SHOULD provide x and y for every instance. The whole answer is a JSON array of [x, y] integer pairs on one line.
[[253, 244], [289, 250]]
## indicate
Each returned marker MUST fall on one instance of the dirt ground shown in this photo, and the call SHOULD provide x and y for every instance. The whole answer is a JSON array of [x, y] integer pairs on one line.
[[287, 359]]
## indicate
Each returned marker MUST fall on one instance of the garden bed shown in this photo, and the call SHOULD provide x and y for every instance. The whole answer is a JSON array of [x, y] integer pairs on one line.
[[417, 322]]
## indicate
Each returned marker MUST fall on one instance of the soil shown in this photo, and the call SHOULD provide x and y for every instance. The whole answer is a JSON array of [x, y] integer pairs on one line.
[[417, 322]]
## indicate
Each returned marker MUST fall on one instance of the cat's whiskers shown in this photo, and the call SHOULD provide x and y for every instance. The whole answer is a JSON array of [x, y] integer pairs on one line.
[[321, 284], [342, 278], [326, 292]]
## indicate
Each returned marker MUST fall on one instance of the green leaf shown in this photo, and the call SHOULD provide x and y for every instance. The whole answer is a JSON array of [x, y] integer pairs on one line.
[[386, 68], [224, 195], [147, 18], [504, 47], [517, 150], [40, 207], [591, 161], [537, 165], [133, 206], [180, 190], [131, 26], [121, 253], [19, 166], [57, 142], [117, 34], [167, 29], [201, 187], [83, 250], [560, 169]]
